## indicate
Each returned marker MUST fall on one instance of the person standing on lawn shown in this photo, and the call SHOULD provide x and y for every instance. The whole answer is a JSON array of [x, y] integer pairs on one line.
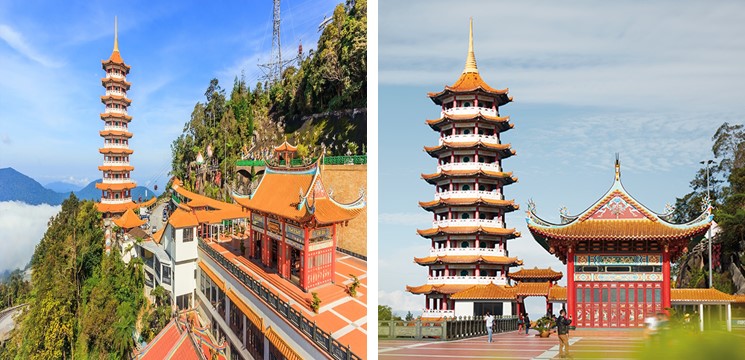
[[562, 327]]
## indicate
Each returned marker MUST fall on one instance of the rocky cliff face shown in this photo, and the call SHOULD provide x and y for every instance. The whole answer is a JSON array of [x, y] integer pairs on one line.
[[728, 269]]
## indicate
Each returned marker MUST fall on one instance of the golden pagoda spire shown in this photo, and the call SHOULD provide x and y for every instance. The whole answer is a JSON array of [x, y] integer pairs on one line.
[[618, 168], [471, 59], [116, 35]]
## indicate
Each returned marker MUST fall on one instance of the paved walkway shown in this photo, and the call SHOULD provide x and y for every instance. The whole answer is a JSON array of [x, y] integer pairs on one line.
[[585, 344]]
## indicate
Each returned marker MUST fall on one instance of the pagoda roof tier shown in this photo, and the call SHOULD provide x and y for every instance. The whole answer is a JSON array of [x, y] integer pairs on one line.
[[116, 61], [116, 168], [502, 122], [107, 150], [277, 194], [468, 259], [462, 230], [470, 81], [446, 289], [532, 288], [118, 133], [489, 291], [505, 177], [448, 145], [508, 205], [557, 293], [616, 216], [129, 220], [108, 98], [535, 274], [108, 80], [114, 208], [123, 116]]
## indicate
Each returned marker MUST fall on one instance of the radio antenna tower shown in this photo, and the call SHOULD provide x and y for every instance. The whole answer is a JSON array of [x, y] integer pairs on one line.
[[273, 69]]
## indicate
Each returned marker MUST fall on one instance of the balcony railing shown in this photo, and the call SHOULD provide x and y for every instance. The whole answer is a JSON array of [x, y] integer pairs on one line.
[[307, 327], [469, 166], [117, 181], [115, 128], [115, 93], [118, 146], [438, 313], [115, 163], [468, 222], [469, 194], [114, 75], [447, 329], [456, 251], [470, 110], [489, 139], [116, 201], [327, 160], [466, 280], [116, 111]]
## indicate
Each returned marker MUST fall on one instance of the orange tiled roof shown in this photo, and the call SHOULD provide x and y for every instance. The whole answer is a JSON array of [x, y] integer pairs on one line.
[[557, 293], [129, 220], [107, 80], [442, 289], [114, 208], [116, 115], [469, 82], [529, 288], [739, 298], [279, 192], [700, 296], [125, 134], [505, 176], [535, 273], [486, 292], [159, 235], [115, 151], [467, 117], [620, 229], [510, 233], [281, 345], [246, 310], [449, 144], [181, 218], [117, 98], [116, 168], [121, 186], [148, 202], [509, 204], [285, 147], [468, 259]]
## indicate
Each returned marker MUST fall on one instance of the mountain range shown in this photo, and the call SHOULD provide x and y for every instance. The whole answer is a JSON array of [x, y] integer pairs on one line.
[[15, 186]]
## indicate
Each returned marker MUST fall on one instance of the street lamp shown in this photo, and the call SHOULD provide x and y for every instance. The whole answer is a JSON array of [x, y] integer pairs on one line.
[[708, 232]]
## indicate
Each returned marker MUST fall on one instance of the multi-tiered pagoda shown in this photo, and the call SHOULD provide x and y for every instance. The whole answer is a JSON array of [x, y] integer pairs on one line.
[[469, 233], [117, 184]]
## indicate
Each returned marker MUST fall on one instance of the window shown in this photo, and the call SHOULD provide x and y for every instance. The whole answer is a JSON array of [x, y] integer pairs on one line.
[[465, 187], [466, 159], [466, 131], [640, 295], [482, 216], [464, 244], [622, 292], [467, 104], [595, 295], [579, 296], [464, 273], [613, 295], [188, 234], [482, 187], [631, 295], [483, 273], [482, 245], [649, 296], [605, 295], [657, 296], [587, 294], [465, 216]]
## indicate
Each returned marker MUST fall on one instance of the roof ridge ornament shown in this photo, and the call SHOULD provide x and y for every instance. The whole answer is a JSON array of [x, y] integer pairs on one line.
[[618, 168], [471, 58]]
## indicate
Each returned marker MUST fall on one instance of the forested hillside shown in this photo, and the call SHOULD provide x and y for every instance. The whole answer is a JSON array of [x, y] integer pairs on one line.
[[727, 189], [319, 103]]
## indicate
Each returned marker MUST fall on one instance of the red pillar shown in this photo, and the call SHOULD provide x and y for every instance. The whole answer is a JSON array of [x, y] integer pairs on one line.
[[304, 268], [571, 291], [665, 278], [333, 253]]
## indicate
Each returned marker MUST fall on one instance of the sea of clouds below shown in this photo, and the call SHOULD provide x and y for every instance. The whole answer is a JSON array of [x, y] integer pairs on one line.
[[22, 227]]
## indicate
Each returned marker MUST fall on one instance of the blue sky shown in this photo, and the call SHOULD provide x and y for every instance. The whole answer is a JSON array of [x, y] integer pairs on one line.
[[651, 81], [50, 72]]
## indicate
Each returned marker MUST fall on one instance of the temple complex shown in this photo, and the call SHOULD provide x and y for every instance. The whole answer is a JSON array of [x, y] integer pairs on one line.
[[468, 237], [116, 184], [618, 255]]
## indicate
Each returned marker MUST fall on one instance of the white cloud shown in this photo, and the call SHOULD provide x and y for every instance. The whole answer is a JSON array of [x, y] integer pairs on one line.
[[17, 41], [23, 225], [405, 218], [401, 301]]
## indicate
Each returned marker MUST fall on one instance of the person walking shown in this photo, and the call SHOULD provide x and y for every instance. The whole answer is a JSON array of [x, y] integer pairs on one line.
[[562, 327], [489, 318], [526, 320]]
